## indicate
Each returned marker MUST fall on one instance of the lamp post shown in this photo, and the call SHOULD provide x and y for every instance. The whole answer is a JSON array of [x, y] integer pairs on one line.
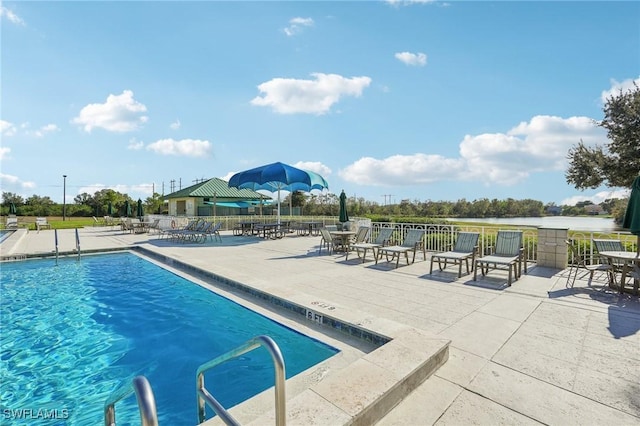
[[64, 197]]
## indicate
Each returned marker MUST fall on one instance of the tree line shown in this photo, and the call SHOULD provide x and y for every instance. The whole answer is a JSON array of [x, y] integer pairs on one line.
[[86, 205]]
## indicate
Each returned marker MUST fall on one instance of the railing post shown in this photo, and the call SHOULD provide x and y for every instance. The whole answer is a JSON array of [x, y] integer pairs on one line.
[[144, 395], [203, 396]]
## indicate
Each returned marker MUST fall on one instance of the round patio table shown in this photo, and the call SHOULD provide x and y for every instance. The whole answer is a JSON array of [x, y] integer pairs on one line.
[[630, 261]]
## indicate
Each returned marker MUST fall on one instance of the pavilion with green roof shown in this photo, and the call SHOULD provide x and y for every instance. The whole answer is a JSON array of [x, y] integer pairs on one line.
[[214, 197]]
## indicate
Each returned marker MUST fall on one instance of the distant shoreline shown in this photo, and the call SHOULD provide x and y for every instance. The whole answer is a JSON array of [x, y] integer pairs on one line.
[[575, 223]]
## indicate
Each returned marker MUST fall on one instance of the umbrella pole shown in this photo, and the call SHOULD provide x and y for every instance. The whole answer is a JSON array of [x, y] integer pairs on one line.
[[278, 205]]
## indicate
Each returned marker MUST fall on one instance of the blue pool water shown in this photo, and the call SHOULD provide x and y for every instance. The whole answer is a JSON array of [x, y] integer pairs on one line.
[[4, 234], [70, 334]]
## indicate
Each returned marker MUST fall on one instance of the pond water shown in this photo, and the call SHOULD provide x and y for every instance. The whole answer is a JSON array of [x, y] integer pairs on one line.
[[596, 224]]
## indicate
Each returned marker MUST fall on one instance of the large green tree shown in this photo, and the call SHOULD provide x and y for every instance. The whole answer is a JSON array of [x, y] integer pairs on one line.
[[616, 163]]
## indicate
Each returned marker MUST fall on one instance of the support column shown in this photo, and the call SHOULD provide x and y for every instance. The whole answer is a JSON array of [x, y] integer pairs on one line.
[[552, 249]]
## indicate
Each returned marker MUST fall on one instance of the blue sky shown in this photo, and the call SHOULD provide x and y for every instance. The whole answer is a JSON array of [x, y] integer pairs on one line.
[[387, 100]]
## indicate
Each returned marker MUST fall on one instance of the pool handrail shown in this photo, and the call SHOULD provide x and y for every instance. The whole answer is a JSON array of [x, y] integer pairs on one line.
[[146, 402], [251, 344], [78, 243], [55, 234]]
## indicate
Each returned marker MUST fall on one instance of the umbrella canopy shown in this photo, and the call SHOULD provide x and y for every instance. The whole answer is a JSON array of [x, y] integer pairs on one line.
[[127, 209], [110, 209], [632, 215], [276, 177], [140, 211], [343, 216], [317, 182], [12, 208]]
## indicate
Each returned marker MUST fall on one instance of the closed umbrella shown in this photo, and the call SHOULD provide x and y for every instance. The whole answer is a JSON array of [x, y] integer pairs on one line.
[[632, 215], [275, 177], [110, 209], [12, 208], [343, 216], [140, 212], [127, 209]]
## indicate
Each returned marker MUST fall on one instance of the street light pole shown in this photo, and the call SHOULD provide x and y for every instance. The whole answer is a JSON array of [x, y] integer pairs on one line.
[[64, 197]]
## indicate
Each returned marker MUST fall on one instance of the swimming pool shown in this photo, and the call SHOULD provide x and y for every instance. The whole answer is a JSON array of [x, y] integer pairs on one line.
[[72, 333], [4, 234]]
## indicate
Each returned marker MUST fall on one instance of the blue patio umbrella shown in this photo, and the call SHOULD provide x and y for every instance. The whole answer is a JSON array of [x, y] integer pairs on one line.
[[110, 209], [277, 177], [12, 208], [632, 214], [317, 183], [140, 211], [343, 216]]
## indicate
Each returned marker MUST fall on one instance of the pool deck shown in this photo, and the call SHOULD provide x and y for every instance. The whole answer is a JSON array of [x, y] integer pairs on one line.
[[537, 352]]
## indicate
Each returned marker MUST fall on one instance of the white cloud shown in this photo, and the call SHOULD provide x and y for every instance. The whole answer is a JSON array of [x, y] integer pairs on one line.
[[617, 87], [142, 188], [228, 176], [297, 25], [10, 181], [175, 125], [11, 16], [4, 152], [42, 131], [539, 145], [135, 145], [314, 166], [596, 198], [7, 128], [401, 170], [292, 96], [414, 59], [184, 147], [120, 113], [408, 2], [508, 158]]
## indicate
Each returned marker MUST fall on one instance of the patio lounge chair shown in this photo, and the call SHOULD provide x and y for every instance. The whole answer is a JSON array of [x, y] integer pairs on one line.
[[155, 226], [383, 238], [508, 253], [213, 232], [362, 235], [577, 263], [173, 232], [413, 242], [189, 232], [11, 223], [465, 249], [41, 223]]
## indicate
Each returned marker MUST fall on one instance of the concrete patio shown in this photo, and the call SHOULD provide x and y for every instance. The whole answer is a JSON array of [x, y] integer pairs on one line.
[[537, 352]]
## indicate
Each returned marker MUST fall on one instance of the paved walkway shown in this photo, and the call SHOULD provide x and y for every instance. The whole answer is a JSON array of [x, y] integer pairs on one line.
[[533, 353]]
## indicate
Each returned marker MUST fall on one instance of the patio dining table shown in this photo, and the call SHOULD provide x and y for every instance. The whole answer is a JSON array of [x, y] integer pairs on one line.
[[314, 227], [268, 230], [345, 238], [246, 227], [630, 266]]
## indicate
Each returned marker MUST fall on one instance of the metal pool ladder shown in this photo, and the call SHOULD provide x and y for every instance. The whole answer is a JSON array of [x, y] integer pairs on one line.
[[278, 363], [146, 402]]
